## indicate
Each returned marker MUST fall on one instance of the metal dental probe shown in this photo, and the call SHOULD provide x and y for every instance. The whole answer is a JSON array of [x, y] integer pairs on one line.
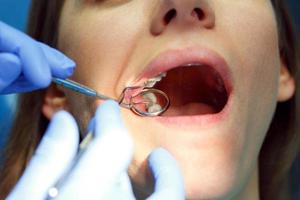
[[77, 87]]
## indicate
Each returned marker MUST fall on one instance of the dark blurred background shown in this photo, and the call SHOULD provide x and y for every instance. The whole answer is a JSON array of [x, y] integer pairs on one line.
[[14, 13], [294, 6]]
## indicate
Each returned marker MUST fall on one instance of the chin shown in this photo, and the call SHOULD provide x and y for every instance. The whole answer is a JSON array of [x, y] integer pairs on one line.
[[211, 168], [214, 181], [209, 173]]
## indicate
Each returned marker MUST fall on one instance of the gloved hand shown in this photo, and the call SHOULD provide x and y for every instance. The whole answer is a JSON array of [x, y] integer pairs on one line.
[[101, 173], [26, 64]]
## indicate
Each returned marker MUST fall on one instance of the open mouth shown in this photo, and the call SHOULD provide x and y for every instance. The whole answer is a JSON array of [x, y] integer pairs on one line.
[[193, 89], [198, 82]]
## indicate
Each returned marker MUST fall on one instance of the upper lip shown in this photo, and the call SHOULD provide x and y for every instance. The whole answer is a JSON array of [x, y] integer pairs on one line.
[[192, 55]]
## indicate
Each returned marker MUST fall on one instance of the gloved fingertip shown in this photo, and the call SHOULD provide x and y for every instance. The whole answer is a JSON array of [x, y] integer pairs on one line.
[[68, 72], [160, 156], [62, 115], [166, 173], [109, 107], [63, 122], [65, 70], [61, 65], [61, 132], [159, 161], [108, 116]]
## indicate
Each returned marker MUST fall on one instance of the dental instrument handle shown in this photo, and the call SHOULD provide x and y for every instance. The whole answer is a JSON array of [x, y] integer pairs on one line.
[[74, 86]]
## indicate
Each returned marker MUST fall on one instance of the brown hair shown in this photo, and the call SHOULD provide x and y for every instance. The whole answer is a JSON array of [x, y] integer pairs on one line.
[[282, 142], [278, 151]]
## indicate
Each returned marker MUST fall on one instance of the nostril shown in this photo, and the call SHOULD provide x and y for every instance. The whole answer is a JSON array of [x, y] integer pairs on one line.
[[199, 13], [169, 16]]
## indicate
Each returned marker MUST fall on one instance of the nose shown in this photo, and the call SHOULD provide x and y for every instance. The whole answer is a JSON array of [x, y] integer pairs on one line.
[[182, 13]]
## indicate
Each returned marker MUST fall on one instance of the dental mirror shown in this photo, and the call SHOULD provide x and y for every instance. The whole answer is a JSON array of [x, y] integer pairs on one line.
[[143, 101]]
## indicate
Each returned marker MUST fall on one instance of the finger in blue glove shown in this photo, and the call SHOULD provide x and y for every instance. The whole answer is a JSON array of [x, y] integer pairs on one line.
[[38, 61], [10, 69], [168, 179], [52, 157], [105, 160]]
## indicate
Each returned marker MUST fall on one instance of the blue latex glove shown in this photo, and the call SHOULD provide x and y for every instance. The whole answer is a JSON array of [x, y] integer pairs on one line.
[[101, 173], [26, 64]]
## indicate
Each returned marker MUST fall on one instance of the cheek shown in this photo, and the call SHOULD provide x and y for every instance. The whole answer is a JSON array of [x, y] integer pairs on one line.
[[100, 48], [254, 38], [257, 64]]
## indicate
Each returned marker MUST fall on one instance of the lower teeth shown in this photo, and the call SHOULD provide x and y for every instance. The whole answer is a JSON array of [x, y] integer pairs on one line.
[[151, 105], [154, 108]]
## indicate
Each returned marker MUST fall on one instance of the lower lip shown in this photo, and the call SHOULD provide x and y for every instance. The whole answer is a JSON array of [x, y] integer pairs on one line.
[[202, 121]]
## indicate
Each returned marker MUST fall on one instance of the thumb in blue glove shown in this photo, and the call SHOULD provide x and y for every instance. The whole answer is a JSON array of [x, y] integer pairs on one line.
[[167, 176], [52, 157]]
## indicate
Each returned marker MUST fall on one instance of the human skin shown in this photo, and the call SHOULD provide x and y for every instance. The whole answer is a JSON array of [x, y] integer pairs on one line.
[[113, 41]]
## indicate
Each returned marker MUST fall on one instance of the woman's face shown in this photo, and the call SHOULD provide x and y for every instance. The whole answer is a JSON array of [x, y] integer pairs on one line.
[[233, 48]]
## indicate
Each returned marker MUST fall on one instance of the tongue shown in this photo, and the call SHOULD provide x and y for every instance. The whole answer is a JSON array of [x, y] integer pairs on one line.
[[190, 109]]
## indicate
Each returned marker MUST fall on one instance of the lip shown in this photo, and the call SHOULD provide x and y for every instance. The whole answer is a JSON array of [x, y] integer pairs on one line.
[[179, 57], [174, 58]]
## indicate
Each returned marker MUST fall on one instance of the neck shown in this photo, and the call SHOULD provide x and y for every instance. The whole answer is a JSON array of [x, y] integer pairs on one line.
[[251, 191]]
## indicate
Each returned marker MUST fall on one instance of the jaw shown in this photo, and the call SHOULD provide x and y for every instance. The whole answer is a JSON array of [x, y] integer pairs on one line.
[[201, 156], [201, 150]]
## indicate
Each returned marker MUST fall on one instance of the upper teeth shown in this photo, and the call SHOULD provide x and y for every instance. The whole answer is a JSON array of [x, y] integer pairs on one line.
[[193, 65], [154, 108], [152, 81]]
